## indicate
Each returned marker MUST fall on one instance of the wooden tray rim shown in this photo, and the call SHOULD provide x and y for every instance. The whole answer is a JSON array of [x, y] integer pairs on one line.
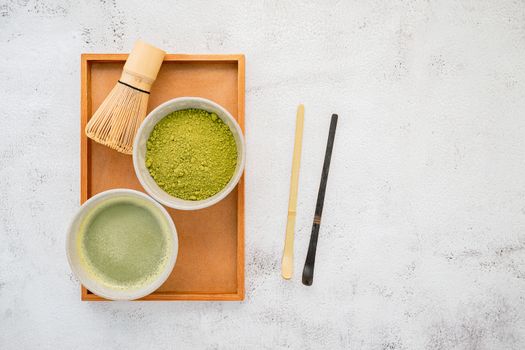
[[85, 102]]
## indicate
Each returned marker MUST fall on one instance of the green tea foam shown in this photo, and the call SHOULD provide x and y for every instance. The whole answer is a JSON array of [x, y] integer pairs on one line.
[[125, 242]]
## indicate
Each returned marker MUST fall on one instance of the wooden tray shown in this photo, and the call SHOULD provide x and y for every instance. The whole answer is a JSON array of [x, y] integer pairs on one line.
[[210, 264]]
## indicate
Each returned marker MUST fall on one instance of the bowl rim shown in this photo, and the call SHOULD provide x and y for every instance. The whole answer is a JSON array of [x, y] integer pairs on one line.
[[230, 186], [91, 284]]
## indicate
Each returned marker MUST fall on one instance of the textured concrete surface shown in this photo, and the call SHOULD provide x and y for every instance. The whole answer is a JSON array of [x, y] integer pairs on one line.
[[422, 243]]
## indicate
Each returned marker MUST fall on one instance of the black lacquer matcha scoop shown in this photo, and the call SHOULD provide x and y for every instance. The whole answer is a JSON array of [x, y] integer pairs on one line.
[[308, 271]]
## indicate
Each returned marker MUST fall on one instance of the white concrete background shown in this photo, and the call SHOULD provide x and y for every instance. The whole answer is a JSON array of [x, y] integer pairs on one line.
[[422, 244]]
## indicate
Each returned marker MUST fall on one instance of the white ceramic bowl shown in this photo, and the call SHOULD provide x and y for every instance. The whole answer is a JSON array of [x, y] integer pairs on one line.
[[95, 285], [139, 151]]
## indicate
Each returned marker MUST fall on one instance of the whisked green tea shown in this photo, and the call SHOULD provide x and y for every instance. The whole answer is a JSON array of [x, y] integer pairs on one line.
[[125, 242]]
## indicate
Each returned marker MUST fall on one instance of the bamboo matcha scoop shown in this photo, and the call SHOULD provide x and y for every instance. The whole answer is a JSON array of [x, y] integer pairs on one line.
[[308, 271], [118, 118], [287, 262]]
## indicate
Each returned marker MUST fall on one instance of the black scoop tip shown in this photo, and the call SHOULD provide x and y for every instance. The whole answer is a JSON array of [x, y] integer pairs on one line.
[[308, 274]]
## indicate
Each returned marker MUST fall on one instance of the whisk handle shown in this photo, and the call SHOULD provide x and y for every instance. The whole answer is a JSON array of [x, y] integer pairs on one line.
[[142, 66]]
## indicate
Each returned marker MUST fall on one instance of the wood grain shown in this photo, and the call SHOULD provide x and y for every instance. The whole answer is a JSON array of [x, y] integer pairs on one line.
[[210, 264]]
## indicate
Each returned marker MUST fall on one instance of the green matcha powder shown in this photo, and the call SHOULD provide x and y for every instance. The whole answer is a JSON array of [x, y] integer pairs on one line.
[[191, 154]]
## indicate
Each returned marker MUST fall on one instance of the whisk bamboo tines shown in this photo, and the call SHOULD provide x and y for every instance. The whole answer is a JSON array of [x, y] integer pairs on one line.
[[118, 118]]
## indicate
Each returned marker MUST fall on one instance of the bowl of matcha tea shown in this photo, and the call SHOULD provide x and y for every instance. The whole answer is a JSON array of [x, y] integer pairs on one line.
[[189, 153], [122, 244]]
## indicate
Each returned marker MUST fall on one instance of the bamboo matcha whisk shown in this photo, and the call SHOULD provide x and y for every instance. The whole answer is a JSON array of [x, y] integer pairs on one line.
[[118, 118]]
